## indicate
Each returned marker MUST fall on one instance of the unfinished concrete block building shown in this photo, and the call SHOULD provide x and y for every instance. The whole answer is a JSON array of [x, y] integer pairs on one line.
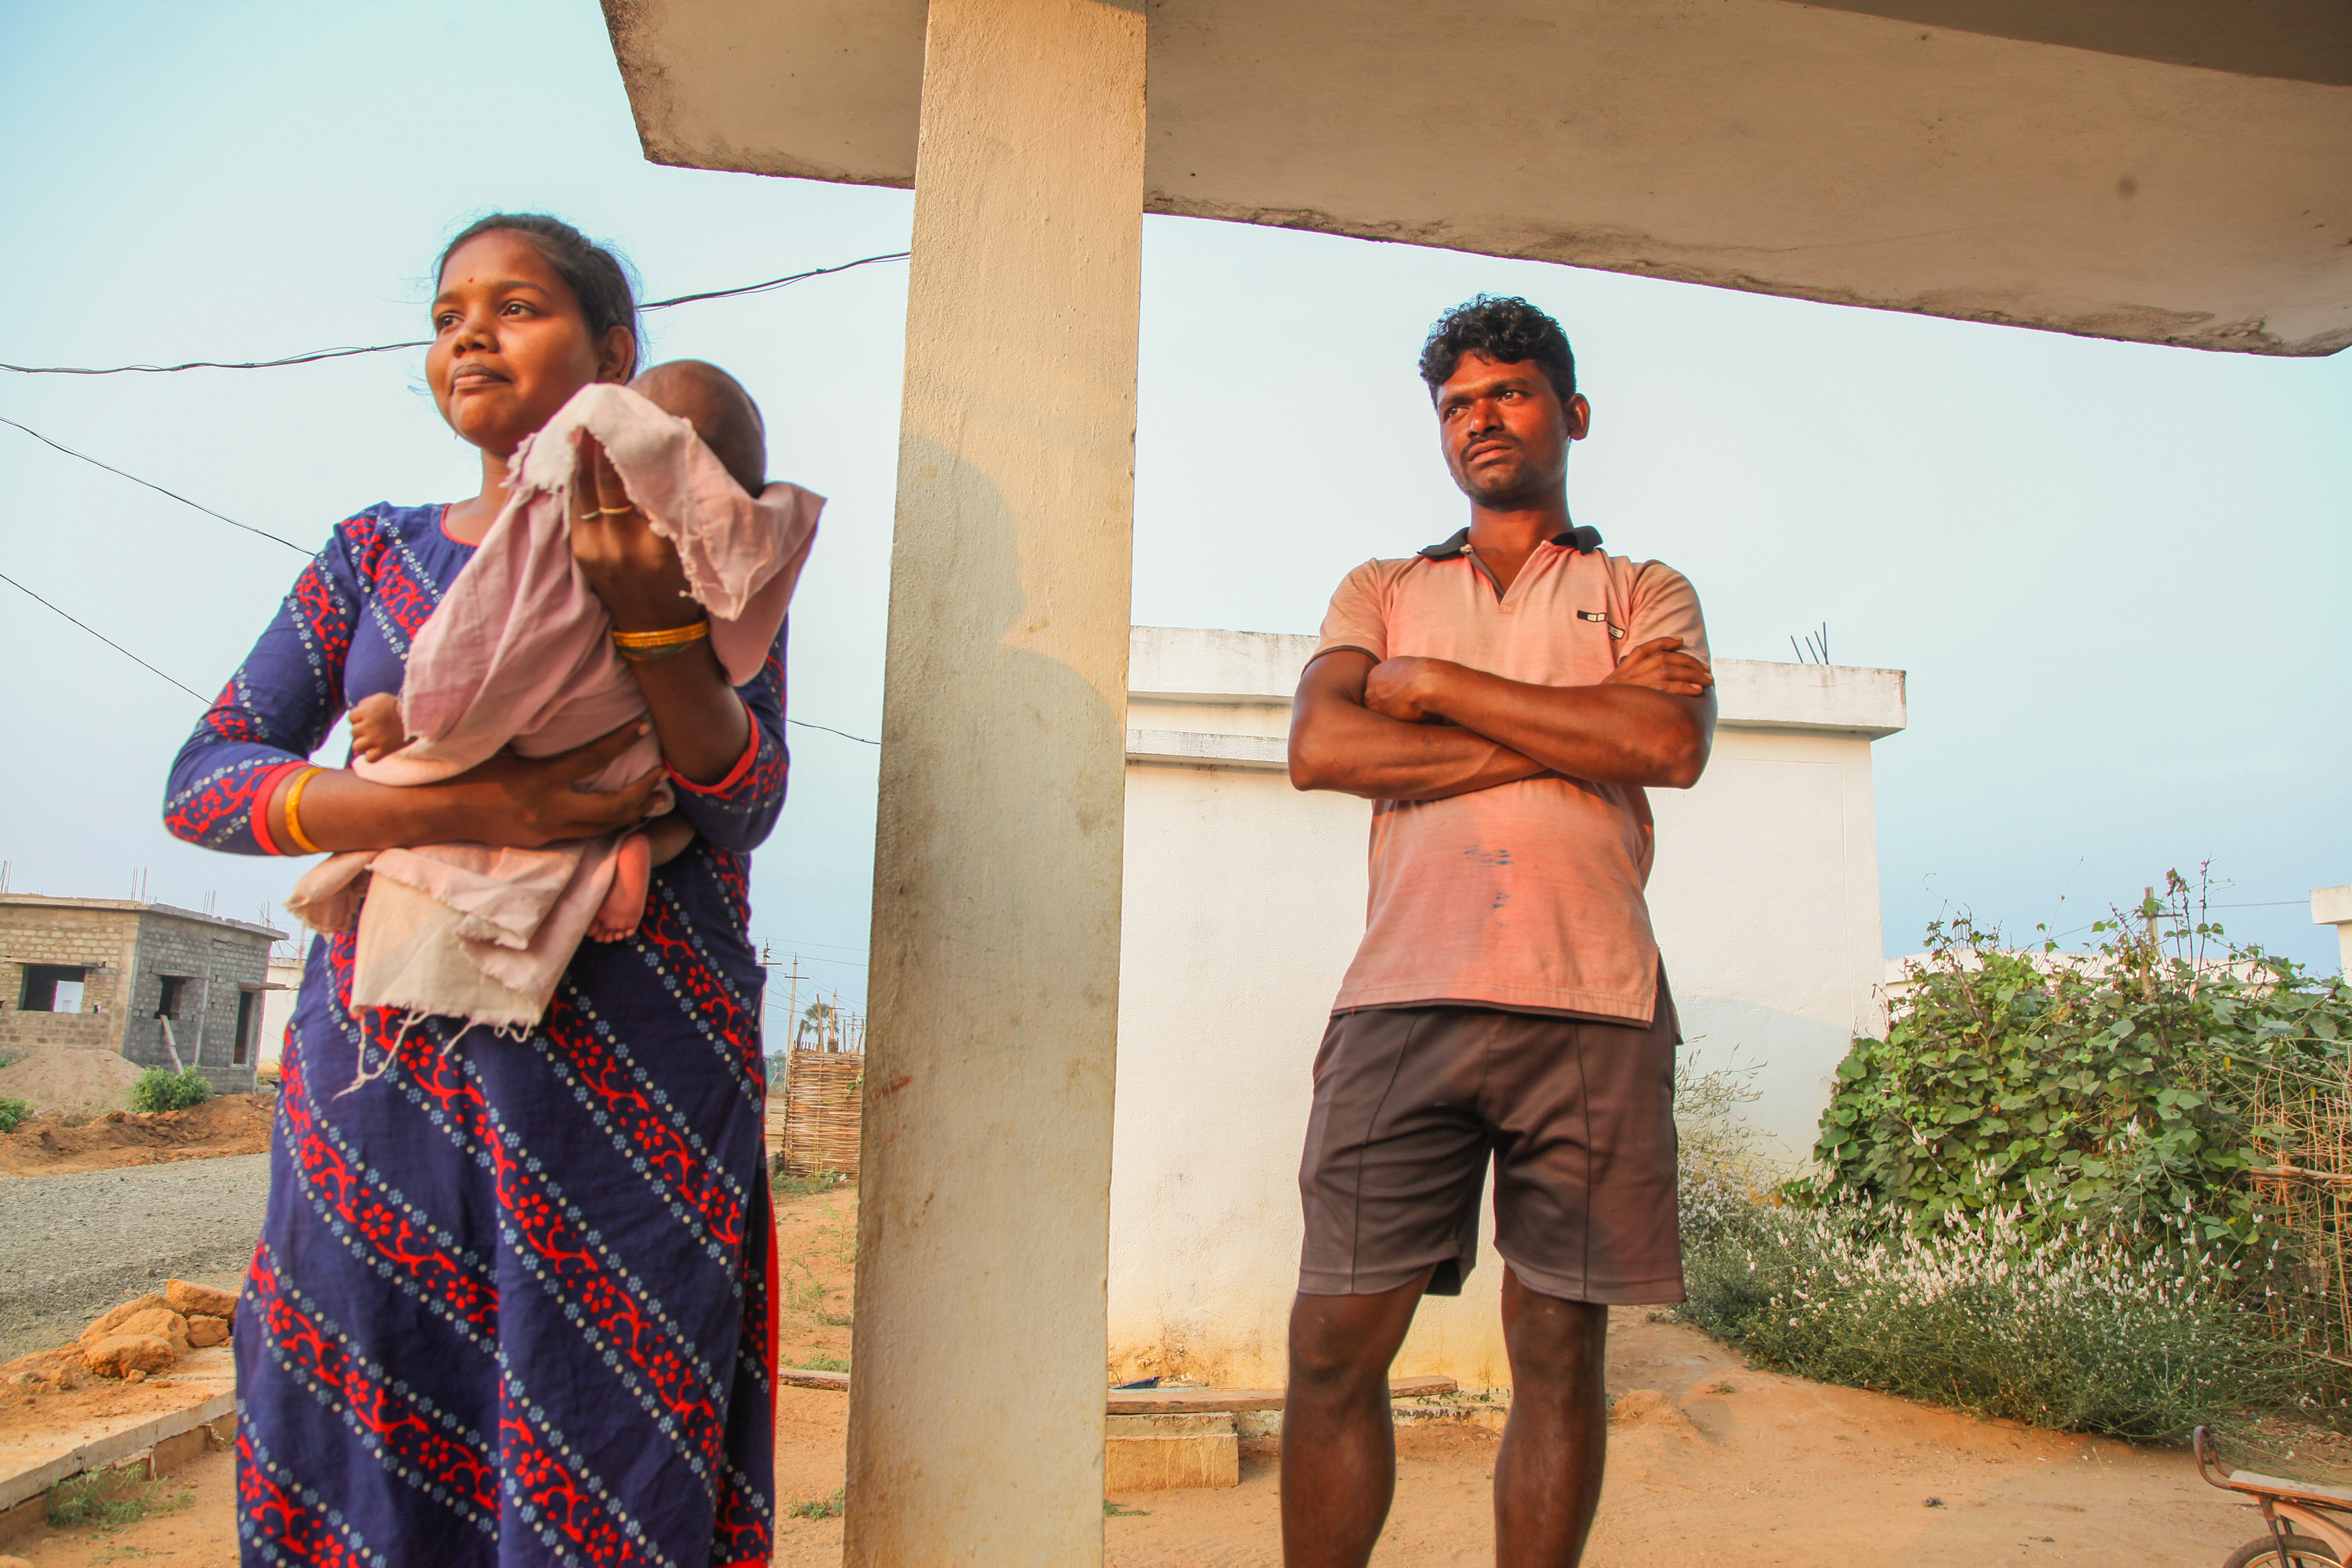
[[143, 980]]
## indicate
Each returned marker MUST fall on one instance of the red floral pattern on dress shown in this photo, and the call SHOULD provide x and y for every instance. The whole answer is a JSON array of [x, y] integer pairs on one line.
[[288, 1530], [665, 933], [566, 1509], [641, 1126], [572, 1264], [373, 1220], [365, 1397]]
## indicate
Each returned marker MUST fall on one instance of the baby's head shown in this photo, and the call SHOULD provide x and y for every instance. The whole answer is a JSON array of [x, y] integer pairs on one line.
[[721, 411]]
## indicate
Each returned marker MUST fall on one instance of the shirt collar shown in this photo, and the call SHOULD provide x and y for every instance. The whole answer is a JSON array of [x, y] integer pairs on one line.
[[1583, 539]]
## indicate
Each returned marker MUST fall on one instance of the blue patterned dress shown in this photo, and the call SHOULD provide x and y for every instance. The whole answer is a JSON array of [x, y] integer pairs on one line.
[[512, 1301]]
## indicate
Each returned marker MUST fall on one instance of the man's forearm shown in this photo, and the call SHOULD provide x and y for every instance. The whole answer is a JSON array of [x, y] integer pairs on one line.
[[1356, 752], [1607, 733]]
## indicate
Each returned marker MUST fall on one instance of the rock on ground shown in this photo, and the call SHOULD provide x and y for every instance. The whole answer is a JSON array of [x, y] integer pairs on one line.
[[79, 1245]]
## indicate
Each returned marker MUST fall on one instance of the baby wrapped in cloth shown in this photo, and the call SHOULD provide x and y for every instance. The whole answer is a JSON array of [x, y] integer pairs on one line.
[[519, 653]]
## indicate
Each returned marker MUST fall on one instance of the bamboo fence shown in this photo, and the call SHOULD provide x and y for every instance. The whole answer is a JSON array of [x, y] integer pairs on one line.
[[2312, 1193], [816, 1128]]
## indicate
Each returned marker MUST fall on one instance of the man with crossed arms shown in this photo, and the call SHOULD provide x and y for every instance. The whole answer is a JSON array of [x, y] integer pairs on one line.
[[1503, 698]]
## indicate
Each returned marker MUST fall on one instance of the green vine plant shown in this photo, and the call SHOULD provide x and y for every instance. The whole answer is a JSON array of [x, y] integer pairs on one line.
[[2119, 1089]]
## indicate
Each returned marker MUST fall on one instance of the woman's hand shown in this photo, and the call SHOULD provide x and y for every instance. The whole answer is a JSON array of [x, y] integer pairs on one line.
[[637, 572], [525, 801], [634, 571], [515, 803]]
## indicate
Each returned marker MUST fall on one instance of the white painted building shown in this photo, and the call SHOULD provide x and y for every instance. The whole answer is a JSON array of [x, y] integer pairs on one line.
[[1244, 901], [277, 1006], [2332, 907]]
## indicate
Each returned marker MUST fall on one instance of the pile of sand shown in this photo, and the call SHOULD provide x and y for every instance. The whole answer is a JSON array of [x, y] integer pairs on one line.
[[61, 1080], [225, 1124]]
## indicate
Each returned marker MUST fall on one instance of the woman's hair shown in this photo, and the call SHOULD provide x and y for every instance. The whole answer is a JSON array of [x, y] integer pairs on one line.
[[597, 276], [1507, 330]]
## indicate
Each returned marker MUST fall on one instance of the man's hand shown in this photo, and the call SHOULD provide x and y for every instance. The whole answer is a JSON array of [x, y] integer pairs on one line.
[[1404, 689], [1339, 741], [1647, 723], [1659, 665]]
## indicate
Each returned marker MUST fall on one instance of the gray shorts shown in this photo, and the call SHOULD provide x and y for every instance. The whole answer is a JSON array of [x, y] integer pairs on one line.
[[1578, 1117]]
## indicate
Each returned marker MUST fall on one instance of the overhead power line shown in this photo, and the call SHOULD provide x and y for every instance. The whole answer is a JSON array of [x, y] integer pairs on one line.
[[99, 634], [201, 697], [318, 354], [831, 730], [159, 490], [341, 354]]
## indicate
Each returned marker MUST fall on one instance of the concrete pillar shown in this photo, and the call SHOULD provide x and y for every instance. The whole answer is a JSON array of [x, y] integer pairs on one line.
[[976, 1401]]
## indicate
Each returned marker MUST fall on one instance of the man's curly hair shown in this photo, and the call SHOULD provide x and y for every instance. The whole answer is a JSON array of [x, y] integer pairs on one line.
[[1507, 330]]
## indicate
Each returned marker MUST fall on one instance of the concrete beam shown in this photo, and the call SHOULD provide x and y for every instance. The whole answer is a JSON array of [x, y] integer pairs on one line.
[[984, 1225], [2164, 171]]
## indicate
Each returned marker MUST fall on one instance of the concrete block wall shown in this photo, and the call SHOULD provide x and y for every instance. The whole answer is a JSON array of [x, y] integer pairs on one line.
[[126, 951], [102, 941], [216, 961]]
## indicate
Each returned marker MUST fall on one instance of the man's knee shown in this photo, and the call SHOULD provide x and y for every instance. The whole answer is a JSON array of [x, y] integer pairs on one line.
[[1345, 1343], [1555, 1339]]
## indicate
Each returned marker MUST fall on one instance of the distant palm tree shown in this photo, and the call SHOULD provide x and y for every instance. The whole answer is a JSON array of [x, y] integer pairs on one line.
[[816, 1018]]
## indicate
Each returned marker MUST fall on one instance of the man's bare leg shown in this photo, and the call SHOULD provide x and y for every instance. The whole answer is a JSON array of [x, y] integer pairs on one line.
[[1548, 1473], [1338, 1439]]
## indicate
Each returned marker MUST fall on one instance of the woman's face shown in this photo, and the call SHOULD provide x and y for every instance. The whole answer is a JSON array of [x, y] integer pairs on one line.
[[509, 343]]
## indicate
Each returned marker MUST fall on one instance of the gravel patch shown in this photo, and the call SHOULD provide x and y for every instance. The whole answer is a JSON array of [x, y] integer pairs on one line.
[[76, 1245]]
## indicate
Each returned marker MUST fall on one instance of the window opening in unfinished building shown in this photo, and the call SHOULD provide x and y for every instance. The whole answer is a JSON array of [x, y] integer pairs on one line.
[[175, 990], [52, 988], [246, 1012]]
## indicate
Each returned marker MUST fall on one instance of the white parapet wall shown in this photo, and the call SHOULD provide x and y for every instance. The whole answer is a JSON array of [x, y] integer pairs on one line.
[[2329, 906], [1244, 901]]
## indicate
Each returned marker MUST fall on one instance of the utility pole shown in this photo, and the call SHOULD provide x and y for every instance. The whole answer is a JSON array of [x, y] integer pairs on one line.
[[792, 994]]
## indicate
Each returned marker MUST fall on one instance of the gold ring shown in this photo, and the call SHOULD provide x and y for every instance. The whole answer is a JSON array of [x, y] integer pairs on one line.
[[614, 510]]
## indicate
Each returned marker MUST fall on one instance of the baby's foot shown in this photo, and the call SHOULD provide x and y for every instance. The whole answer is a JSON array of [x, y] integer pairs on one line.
[[624, 903]]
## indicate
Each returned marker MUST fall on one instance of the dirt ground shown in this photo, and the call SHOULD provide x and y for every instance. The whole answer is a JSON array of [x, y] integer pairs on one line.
[[26, 1409], [1709, 1462], [58, 1146]]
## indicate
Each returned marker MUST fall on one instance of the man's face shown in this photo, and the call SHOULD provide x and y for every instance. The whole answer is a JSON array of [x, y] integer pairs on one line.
[[1506, 432]]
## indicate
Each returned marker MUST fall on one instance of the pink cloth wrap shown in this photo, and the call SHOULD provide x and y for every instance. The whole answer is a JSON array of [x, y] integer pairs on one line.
[[519, 653]]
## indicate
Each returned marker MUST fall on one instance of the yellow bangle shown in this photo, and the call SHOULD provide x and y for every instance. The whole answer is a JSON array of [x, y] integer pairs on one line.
[[293, 811], [670, 638]]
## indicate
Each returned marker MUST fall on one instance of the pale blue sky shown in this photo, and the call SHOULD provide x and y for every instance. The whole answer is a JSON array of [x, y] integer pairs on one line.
[[2117, 574]]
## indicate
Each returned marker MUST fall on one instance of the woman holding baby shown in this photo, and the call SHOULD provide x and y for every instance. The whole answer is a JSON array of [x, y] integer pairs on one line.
[[514, 1299]]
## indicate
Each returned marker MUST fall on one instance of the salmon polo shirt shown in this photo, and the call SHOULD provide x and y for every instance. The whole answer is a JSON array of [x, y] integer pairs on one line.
[[1526, 895]]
